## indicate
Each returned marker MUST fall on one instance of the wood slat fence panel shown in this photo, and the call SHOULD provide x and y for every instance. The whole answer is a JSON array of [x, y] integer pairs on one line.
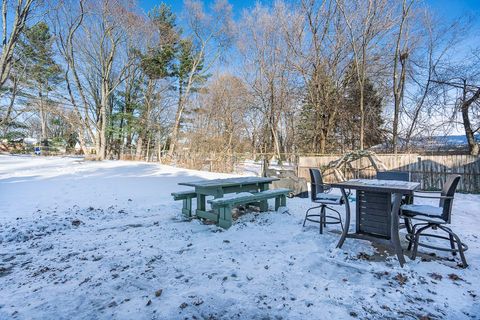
[[430, 171]]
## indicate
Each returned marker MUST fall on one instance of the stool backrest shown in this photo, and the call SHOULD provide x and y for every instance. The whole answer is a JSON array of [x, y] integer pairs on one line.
[[316, 183], [393, 175], [448, 190]]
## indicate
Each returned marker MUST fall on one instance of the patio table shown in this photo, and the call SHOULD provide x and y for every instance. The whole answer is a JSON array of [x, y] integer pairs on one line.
[[218, 187], [378, 204]]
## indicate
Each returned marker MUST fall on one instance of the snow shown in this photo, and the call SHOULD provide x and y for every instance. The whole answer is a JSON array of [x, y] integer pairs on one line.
[[99, 240], [387, 183]]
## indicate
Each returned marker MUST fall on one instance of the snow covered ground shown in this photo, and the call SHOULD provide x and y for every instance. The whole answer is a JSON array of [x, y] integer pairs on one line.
[[101, 240]]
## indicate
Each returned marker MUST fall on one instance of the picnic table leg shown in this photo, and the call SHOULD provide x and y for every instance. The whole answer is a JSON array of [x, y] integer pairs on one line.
[[280, 201], [225, 217], [221, 214], [394, 230], [347, 219], [201, 202], [187, 207], [263, 203]]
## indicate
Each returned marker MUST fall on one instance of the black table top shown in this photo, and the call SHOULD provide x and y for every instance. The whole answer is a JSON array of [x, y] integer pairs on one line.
[[374, 185], [229, 182]]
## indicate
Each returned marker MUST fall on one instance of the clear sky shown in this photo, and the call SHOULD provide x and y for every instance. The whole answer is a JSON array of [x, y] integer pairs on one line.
[[445, 8], [238, 5]]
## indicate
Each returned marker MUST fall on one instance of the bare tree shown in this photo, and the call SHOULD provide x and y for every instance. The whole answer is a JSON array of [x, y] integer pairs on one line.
[[67, 21], [210, 35], [318, 53], [400, 58], [429, 61], [367, 22], [465, 85], [470, 99], [266, 70], [10, 36]]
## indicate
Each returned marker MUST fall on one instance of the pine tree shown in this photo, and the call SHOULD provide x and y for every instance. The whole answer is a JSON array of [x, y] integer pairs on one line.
[[157, 62], [318, 113], [36, 47], [373, 104]]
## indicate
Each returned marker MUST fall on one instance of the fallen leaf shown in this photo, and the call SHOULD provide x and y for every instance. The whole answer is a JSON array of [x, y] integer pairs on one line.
[[454, 277], [435, 276], [401, 279]]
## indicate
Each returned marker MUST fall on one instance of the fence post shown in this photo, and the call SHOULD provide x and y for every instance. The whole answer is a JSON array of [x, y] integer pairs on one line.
[[264, 166]]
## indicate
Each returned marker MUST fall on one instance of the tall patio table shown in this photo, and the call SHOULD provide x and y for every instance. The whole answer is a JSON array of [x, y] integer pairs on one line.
[[218, 187], [378, 204]]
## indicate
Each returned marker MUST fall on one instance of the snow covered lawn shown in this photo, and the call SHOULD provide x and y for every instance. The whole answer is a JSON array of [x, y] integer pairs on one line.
[[91, 240]]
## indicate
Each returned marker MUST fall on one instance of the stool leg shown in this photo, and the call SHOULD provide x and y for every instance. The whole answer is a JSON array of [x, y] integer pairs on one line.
[[415, 246], [417, 239], [412, 238], [322, 218], [452, 244], [306, 215], [408, 225], [340, 219], [460, 249]]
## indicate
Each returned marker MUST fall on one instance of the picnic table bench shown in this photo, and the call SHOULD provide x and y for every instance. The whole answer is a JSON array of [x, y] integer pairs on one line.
[[225, 205], [257, 187], [187, 197]]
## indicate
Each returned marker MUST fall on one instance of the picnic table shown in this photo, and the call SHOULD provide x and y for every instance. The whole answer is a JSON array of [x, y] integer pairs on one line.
[[219, 187], [378, 204]]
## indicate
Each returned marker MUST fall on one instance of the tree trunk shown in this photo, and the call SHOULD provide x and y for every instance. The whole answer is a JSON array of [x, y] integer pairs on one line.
[[139, 148], [81, 141], [396, 110], [43, 121], [472, 144], [9, 42], [147, 155], [102, 137], [276, 143], [362, 117], [176, 125], [323, 141], [399, 81], [6, 120]]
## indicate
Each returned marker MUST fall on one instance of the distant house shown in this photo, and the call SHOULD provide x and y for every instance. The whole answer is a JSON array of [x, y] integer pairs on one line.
[[431, 145], [30, 141]]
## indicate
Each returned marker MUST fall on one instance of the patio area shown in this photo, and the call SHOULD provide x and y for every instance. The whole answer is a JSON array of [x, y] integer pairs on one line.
[[108, 240]]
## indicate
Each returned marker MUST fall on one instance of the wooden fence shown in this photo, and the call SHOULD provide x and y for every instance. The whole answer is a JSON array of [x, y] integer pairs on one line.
[[430, 171]]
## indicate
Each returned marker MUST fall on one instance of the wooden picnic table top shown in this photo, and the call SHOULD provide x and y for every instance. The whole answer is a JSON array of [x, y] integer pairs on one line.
[[228, 182], [374, 185]]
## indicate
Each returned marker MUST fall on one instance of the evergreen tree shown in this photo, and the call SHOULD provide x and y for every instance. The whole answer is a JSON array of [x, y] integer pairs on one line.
[[349, 130], [36, 47], [157, 63], [318, 113]]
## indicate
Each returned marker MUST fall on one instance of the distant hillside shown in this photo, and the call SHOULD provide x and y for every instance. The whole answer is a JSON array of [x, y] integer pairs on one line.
[[433, 144]]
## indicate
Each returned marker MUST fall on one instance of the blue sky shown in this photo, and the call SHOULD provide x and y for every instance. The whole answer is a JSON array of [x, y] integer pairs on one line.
[[238, 5], [448, 9]]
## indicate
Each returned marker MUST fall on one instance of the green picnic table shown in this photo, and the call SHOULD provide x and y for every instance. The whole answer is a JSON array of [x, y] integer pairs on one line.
[[218, 188]]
